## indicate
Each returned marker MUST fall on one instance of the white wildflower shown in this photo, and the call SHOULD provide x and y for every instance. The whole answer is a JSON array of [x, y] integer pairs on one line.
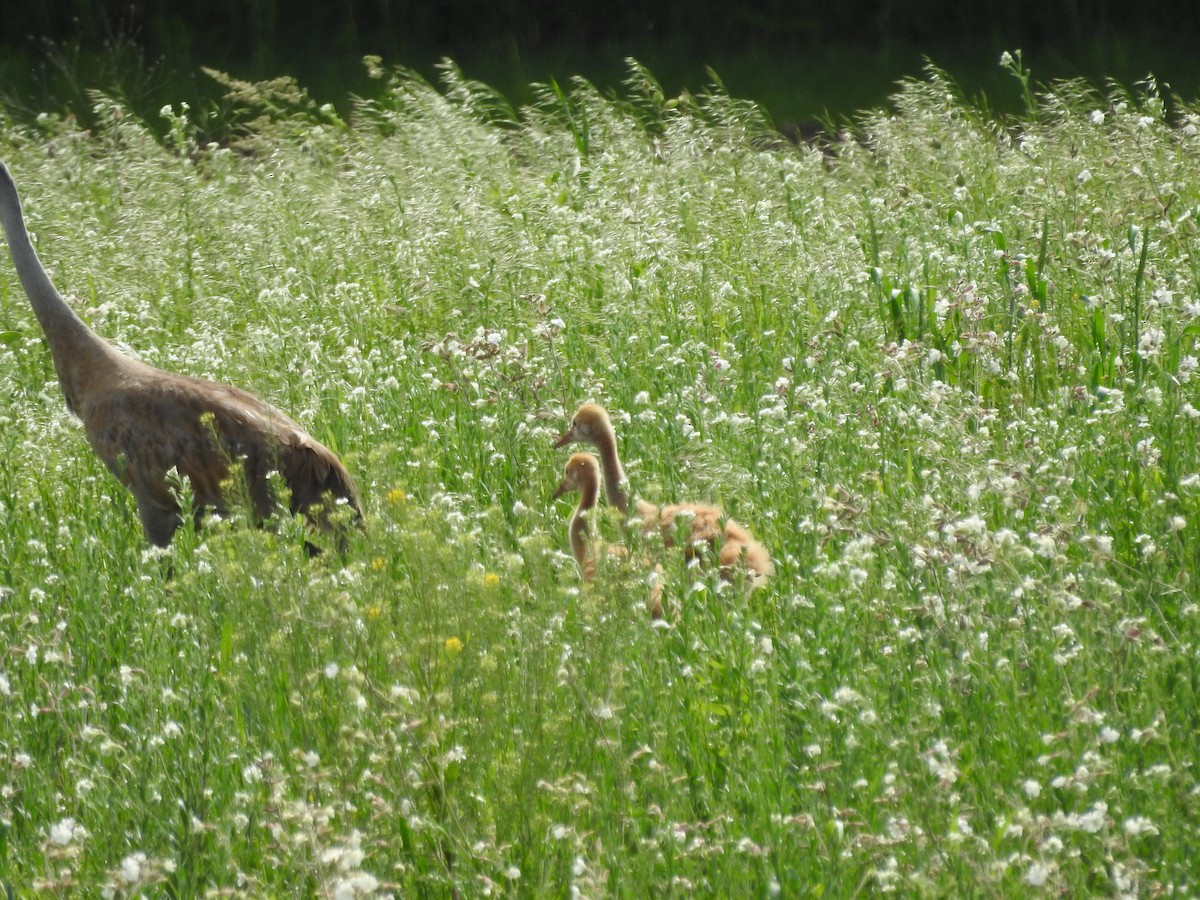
[[1044, 545], [941, 764], [972, 526], [1094, 819], [131, 867], [845, 695], [401, 692], [1037, 874], [360, 884], [66, 831], [1139, 825]]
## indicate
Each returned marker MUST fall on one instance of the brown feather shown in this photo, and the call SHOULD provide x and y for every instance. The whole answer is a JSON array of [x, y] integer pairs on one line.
[[144, 422]]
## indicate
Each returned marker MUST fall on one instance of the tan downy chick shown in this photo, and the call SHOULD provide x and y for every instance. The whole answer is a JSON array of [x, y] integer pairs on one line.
[[582, 475], [591, 425], [143, 421], [708, 527]]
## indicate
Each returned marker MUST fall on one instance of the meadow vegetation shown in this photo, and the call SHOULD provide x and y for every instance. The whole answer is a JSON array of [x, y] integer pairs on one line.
[[946, 369]]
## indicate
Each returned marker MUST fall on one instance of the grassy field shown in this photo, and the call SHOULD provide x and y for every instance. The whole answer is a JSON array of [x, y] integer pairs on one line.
[[946, 372]]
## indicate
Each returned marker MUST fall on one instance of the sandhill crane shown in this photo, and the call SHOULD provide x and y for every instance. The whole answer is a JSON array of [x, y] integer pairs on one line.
[[582, 474], [708, 525], [144, 422]]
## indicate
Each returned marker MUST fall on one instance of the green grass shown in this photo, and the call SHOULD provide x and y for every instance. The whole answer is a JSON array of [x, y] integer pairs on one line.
[[946, 373]]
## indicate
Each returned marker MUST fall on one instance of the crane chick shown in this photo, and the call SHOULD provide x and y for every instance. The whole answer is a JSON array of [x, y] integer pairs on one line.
[[707, 527], [582, 475]]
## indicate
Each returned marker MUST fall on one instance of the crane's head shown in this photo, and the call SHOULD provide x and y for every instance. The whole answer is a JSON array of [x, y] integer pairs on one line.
[[588, 425], [582, 474]]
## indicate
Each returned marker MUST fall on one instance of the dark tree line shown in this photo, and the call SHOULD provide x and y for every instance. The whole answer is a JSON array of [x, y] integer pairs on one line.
[[246, 29], [150, 52]]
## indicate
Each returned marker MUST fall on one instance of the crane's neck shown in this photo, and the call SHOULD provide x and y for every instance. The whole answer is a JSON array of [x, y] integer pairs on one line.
[[579, 528], [615, 485], [77, 350]]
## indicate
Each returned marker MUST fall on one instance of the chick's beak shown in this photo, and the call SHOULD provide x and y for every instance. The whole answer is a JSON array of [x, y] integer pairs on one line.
[[565, 438], [560, 490]]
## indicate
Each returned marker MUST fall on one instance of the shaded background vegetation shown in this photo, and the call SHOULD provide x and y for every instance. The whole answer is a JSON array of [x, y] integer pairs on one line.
[[803, 61]]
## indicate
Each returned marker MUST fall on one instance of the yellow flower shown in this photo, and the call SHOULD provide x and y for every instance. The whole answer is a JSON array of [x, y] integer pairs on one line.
[[374, 612], [397, 496], [453, 646], [378, 563], [491, 579]]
